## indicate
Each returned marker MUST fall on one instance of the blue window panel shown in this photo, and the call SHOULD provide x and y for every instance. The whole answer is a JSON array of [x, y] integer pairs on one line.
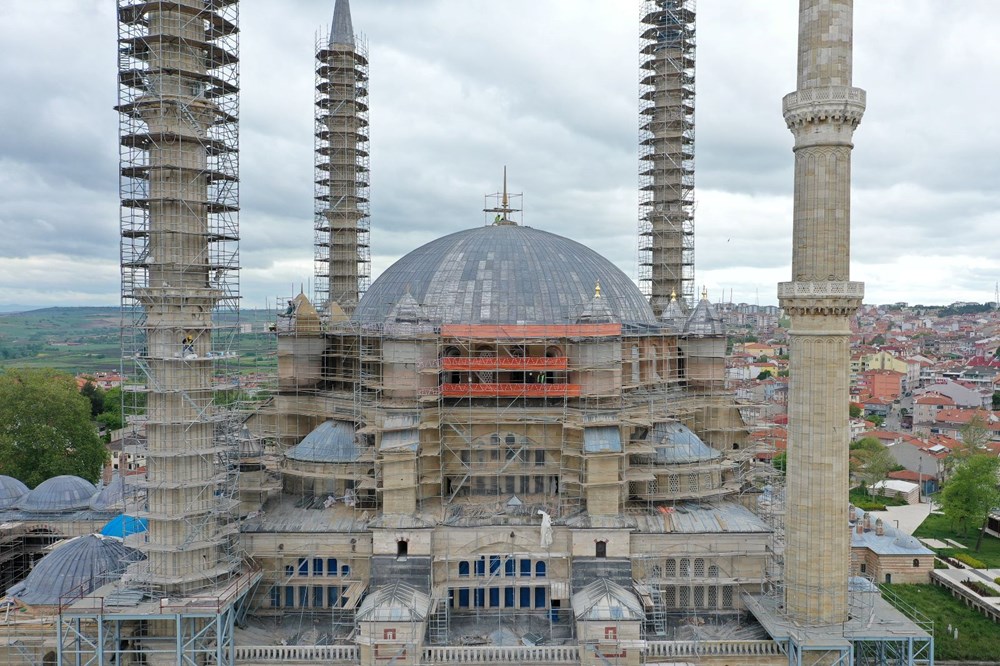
[[331, 566], [508, 597], [275, 597], [525, 597], [289, 570], [345, 570], [540, 569], [463, 569], [480, 568], [525, 567], [508, 567], [463, 597], [494, 597], [479, 598], [494, 564], [539, 597], [289, 596], [303, 597], [303, 566], [317, 566], [332, 596], [318, 594]]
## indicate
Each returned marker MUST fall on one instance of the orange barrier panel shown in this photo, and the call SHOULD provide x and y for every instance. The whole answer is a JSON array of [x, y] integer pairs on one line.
[[510, 390], [505, 363]]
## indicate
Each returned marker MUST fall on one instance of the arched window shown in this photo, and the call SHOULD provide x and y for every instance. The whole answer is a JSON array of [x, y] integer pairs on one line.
[[671, 567], [699, 567], [685, 566], [402, 548], [540, 569], [601, 549], [916, 562], [463, 569]]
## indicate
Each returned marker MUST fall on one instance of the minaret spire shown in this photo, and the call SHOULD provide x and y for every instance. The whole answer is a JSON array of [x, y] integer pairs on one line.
[[342, 29], [342, 222], [822, 115]]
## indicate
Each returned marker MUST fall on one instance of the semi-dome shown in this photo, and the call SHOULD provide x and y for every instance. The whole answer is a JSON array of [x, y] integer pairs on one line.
[[504, 274], [329, 442], [60, 493], [675, 443], [11, 490], [75, 567]]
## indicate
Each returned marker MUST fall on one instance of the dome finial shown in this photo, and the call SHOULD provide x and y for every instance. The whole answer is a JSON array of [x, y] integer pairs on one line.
[[502, 206], [597, 289], [673, 295]]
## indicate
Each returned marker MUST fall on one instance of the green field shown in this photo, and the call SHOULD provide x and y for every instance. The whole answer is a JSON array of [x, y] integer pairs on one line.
[[86, 340], [937, 526], [978, 637]]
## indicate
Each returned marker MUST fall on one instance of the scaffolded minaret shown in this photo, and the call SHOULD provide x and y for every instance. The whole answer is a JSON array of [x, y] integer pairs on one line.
[[822, 115], [178, 107], [666, 151], [342, 221]]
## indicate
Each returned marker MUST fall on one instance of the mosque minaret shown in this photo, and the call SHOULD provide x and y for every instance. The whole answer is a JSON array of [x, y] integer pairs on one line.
[[822, 115]]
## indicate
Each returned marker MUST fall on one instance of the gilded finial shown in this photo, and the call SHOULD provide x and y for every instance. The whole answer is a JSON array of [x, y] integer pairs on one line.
[[673, 295], [597, 289], [505, 199]]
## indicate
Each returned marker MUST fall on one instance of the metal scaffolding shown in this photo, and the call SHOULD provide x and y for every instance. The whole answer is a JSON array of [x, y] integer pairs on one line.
[[666, 151], [342, 209]]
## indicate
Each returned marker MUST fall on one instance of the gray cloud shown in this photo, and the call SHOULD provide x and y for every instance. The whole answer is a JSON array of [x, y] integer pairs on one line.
[[460, 89]]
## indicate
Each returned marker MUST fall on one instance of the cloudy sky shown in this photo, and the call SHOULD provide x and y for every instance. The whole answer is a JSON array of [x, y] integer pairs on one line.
[[548, 87]]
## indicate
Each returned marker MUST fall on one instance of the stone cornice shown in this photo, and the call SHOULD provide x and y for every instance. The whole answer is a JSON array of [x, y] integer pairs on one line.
[[820, 297], [839, 104]]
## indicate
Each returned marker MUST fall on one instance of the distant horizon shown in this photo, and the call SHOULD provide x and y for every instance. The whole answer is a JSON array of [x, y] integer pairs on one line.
[[6, 309]]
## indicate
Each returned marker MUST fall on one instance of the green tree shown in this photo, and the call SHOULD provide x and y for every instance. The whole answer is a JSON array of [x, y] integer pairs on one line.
[[854, 411], [996, 397], [780, 462], [764, 374], [872, 461], [972, 492], [876, 420], [975, 434], [95, 394], [45, 427]]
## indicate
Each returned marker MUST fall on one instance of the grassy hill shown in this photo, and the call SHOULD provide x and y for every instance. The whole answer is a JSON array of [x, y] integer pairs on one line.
[[86, 339]]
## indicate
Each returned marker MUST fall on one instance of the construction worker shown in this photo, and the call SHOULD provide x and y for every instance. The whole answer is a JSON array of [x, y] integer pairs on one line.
[[188, 344]]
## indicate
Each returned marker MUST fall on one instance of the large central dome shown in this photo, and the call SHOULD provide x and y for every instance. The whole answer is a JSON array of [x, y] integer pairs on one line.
[[504, 274]]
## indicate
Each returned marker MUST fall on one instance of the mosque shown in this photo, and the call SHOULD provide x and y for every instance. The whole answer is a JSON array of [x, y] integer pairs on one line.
[[502, 450]]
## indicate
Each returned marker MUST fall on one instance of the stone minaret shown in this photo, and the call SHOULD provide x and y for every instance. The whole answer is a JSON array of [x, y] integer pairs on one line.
[[178, 107], [341, 211], [822, 115], [666, 152]]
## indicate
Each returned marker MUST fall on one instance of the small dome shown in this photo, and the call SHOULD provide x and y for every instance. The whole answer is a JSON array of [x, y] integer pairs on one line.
[[11, 490], [75, 567], [908, 542], [330, 442], [111, 497], [504, 274], [60, 493], [676, 443]]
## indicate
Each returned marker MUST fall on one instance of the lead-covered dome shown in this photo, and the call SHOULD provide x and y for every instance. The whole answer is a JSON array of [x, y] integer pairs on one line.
[[74, 568], [504, 274], [60, 493]]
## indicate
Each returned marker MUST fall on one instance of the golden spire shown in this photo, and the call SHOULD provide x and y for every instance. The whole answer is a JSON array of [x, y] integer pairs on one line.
[[597, 289], [505, 200], [673, 295]]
